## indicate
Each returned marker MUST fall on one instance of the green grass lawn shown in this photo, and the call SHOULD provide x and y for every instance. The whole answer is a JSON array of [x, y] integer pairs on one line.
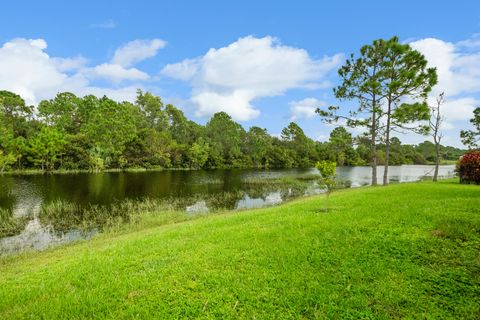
[[404, 251]]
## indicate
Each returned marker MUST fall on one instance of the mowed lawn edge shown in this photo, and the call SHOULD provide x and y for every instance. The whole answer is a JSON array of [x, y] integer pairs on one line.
[[407, 250]]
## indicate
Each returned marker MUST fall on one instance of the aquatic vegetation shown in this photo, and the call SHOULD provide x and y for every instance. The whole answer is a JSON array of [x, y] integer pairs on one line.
[[64, 216], [10, 225]]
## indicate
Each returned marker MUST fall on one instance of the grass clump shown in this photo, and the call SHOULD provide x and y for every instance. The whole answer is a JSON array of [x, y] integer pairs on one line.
[[10, 225], [376, 255]]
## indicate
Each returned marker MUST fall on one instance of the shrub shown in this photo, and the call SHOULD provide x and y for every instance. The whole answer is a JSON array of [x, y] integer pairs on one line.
[[468, 167]]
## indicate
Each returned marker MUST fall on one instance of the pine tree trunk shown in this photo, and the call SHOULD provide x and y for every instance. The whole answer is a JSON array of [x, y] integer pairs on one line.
[[387, 144], [374, 145]]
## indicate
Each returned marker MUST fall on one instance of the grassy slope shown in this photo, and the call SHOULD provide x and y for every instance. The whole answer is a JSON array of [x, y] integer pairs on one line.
[[409, 250]]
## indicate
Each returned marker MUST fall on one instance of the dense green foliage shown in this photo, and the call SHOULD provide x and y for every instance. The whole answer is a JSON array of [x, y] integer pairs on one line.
[[408, 251], [468, 167], [90, 133]]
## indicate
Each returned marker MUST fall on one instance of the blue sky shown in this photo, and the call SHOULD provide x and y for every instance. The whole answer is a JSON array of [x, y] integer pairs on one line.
[[266, 63]]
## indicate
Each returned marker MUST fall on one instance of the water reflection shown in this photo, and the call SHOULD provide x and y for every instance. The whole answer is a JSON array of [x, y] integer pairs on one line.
[[38, 237], [362, 176], [45, 210]]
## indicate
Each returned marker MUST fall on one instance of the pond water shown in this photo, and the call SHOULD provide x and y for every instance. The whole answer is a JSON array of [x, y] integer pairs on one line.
[[38, 211]]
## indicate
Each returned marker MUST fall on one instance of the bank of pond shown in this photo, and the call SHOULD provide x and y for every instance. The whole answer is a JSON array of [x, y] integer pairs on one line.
[[40, 211]]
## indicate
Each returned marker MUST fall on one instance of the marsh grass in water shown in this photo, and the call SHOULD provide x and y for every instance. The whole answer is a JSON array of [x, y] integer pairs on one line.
[[10, 225], [64, 216]]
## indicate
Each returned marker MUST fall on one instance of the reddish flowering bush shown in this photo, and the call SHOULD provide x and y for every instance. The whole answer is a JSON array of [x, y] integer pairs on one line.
[[468, 167]]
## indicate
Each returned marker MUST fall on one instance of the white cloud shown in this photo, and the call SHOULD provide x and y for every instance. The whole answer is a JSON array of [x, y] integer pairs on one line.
[[26, 69], [230, 78], [458, 69], [107, 24], [184, 70], [236, 104], [70, 64], [305, 108], [117, 73], [136, 51], [120, 67], [458, 72], [472, 43], [459, 108]]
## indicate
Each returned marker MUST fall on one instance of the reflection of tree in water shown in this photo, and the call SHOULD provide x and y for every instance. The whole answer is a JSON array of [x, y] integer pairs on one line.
[[7, 197], [224, 200], [260, 192]]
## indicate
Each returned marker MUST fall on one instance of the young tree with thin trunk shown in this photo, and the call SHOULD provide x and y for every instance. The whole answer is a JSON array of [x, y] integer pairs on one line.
[[435, 122], [406, 79], [328, 177], [361, 81]]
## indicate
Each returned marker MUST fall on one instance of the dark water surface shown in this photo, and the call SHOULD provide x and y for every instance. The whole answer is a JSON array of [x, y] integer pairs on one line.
[[47, 210]]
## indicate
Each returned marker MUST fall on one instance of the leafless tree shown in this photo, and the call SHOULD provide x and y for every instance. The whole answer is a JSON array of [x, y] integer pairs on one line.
[[436, 120]]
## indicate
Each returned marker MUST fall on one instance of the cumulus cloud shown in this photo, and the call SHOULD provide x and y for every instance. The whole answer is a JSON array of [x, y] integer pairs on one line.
[[136, 51], [70, 64], [458, 68], [184, 70], [471, 43], [27, 69], [455, 109], [230, 78], [304, 109], [458, 71], [116, 73], [120, 66]]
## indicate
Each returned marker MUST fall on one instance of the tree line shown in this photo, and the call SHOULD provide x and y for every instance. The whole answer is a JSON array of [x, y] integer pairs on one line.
[[90, 133]]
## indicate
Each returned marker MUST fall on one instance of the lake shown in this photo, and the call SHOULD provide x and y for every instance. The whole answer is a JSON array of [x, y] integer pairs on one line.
[[39, 211]]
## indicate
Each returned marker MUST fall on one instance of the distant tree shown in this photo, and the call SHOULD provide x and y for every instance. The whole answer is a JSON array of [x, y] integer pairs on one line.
[[46, 147], [279, 156], [435, 124], [471, 138], [12, 142], [153, 109], [13, 106], [7, 157], [340, 147], [303, 147], [225, 138], [17, 114], [198, 153], [62, 112], [258, 144], [110, 127]]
